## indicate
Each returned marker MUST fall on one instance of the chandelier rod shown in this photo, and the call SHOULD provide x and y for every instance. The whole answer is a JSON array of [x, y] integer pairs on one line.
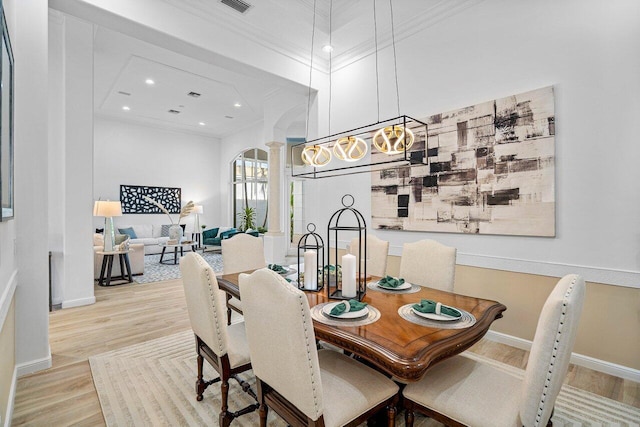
[[375, 34], [313, 35], [395, 61], [330, 58]]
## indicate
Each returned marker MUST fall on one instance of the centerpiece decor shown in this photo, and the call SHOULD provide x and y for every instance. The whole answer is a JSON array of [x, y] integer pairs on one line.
[[311, 250], [175, 231], [352, 283]]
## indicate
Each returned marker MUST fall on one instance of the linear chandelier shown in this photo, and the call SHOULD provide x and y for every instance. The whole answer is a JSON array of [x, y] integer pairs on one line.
[[364, 149]]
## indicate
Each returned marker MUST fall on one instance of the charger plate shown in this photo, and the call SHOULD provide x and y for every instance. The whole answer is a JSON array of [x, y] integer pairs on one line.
[[466, 319], [318, 315], [412, 290]]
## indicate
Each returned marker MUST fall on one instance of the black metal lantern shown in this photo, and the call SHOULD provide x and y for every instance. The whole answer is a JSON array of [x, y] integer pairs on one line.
[[314, 273], [349, 278]]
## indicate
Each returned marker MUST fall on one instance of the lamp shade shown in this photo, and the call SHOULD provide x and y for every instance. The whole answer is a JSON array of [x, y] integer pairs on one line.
[[107, 208], [197, 209]]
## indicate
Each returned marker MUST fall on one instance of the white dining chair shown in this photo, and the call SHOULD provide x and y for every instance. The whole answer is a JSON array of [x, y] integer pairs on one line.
[[464, 391], [377, 253], [305, 386], [428, 263], [224, 347], [242, 252]]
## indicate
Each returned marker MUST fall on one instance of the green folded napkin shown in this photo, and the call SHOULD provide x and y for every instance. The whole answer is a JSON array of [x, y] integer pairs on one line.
[[428, 306], [390, 282], [277, 268], [354, 305]]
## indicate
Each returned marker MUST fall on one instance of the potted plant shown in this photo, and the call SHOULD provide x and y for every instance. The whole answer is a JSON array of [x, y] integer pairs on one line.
[[247, 219]]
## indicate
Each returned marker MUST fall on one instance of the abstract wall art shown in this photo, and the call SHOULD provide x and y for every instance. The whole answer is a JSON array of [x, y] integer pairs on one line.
[[133, 203], [484, 169]]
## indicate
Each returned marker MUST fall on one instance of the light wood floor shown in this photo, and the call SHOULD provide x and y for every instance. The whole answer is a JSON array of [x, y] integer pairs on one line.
[[130, 314]]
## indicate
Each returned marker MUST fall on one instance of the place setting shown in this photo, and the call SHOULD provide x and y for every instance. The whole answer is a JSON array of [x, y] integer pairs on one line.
[[345, 313], [435, 314], [392, 285]]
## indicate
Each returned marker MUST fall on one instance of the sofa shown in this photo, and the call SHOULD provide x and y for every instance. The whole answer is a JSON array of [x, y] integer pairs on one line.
[[150, 235], [136, 258], [215, 236]]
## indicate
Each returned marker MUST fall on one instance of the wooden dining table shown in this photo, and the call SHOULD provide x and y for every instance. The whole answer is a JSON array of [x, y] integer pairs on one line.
[[402, 349]]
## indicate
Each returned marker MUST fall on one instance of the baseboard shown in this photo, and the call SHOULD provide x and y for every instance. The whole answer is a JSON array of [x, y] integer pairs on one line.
[[79, 302], [34, 365], [12, 398], [577, 359]]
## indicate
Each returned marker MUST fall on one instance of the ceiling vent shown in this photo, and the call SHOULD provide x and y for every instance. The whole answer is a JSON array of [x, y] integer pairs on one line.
[[237, 5], [174, 111], [194, 94]]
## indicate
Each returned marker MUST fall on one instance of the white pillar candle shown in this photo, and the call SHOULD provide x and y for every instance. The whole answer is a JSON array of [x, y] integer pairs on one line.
[[310, 270], [349, 276]]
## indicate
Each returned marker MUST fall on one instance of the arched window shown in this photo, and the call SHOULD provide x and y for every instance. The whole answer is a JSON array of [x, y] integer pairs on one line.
[[249, 180]]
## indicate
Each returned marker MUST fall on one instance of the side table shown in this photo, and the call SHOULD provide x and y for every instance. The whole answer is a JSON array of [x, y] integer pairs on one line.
[[107, 267]]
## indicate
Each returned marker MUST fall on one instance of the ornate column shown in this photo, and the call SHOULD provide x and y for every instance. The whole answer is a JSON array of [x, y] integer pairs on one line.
[[274, 240]]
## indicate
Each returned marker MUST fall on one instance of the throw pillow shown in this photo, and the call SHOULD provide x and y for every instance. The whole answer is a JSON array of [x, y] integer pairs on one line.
[[100, 230], [121, 238], [98, 240], [165, 230], [129, 232]]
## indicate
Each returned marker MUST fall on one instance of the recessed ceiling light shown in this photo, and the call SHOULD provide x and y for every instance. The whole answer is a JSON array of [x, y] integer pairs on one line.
[[125, 108], [237, 105], [149, 82], [202, 123], [327, 48]]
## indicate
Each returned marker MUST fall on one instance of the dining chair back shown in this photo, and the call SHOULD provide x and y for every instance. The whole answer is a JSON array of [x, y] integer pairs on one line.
[[243, 252], [377, 253], [465, 390], [429, 263], [224, 347], [303, 385]]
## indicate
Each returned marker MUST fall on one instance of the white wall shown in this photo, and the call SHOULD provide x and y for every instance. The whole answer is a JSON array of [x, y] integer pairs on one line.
[[132, 154], [588, 50]]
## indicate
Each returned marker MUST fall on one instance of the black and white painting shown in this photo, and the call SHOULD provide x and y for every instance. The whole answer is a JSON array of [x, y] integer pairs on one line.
[[133, 203], [484, 169]]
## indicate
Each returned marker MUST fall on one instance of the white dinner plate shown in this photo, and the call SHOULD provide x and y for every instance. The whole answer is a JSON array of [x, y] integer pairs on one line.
[[348, 315], [405, 285], [434, 316]]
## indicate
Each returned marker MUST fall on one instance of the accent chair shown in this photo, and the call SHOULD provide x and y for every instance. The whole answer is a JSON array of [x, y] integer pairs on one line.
[[464, 391], [224, 347], [305, 386]]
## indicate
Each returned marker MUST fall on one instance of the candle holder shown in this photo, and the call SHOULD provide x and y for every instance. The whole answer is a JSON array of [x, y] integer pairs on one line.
[[354, 270], [311, 242]]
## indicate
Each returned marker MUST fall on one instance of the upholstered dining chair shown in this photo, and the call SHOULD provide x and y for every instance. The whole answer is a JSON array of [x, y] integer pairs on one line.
[[243, 252], [464, 391], [305, 386], [377, 253], [223, 346], [428, 263]]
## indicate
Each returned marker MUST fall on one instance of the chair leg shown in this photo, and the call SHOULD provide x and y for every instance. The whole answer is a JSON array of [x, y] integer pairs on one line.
[[262, 411], [409, 416], [391, 416], [225, 416], [200, 384]]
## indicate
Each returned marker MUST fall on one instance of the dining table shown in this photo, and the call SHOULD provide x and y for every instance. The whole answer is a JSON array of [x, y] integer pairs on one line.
[[396, 343]]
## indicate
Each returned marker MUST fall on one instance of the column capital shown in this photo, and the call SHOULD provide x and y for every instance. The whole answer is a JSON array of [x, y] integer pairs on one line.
[[274, 144]]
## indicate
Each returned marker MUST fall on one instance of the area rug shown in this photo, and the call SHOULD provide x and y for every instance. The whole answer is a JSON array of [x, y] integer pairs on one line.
[[155, 272], [152, 384]]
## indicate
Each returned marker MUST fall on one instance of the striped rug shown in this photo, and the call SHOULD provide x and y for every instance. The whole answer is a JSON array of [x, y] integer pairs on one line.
[[152, 384]]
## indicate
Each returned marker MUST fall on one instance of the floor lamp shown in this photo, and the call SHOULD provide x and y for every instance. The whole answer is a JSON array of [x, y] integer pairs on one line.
[[108, 210], [197, 209]]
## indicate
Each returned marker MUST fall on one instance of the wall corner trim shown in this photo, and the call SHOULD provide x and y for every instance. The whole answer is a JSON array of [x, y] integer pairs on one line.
[[7, 297], [79, 302], [34, 365], [577, 359], [12, 398]]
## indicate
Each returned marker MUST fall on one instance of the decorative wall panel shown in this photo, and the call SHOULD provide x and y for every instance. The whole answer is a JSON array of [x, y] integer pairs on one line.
[[485, 169], [133, 203]]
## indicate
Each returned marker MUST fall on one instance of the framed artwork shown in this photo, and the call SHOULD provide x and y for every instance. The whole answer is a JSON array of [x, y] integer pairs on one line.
[[133, 203], [484, 169], [6, 124]]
